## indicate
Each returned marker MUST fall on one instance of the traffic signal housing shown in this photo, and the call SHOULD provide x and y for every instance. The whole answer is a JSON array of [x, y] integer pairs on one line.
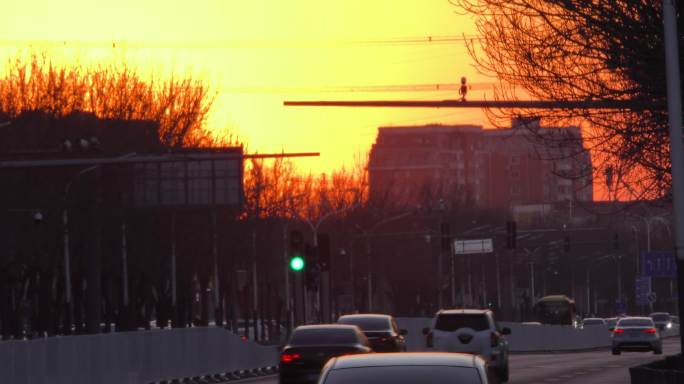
[[312, 269], [323, 241], [297, 257]]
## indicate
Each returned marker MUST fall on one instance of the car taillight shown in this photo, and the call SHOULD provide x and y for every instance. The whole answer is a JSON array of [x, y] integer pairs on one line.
[[289, 357], [617, 330], [494, 336], [650, 330], [429, 340]]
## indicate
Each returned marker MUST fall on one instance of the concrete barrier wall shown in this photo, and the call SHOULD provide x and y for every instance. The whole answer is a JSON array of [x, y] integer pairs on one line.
[[129, 357]]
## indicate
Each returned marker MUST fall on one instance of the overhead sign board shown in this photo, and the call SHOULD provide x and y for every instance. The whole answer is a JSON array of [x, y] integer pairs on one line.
[[658, 264], [467, 247]]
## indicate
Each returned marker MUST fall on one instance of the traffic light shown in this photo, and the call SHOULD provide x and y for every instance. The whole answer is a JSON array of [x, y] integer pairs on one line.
[[511, 234], [445, 231], [297, 257], [297, 263], [80, 145], [616, 241], [566, 244], [323, 251], [312, 270]]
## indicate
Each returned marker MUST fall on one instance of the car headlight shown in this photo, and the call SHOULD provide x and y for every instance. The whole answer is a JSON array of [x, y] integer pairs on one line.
[[669, 325]]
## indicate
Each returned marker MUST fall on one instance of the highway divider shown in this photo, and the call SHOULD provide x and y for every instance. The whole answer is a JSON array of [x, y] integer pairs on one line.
[[130, 357]]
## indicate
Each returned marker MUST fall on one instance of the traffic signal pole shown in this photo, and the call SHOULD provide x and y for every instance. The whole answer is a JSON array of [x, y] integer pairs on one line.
[[674, 115]]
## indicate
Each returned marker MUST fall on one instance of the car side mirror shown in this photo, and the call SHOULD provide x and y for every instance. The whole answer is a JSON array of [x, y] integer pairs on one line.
[[403, 332], [506, 331], [426, 331]]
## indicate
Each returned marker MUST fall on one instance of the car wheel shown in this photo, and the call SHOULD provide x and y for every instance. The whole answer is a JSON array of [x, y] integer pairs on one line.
[[616, 351]]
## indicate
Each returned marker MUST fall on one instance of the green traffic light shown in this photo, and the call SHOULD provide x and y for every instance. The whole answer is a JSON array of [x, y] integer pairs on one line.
[[297, 263]]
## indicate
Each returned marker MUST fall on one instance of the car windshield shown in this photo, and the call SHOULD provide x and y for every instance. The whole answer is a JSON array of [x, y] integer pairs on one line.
[[453, 321], [661, 317], [367, 323], [323, 336], [405, 374], [635, 323]]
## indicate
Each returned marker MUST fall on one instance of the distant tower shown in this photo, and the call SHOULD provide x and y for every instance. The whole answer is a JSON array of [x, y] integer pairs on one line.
[[464, 89]]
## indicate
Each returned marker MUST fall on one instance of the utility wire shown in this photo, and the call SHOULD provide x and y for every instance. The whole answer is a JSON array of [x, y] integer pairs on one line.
[[437, 87], [230, 44]]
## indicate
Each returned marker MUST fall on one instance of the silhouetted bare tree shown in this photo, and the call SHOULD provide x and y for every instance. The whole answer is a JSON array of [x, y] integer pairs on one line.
[[585, 50], [180, 105]]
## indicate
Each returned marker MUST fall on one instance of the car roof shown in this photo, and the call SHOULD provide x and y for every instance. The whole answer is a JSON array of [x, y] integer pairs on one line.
[[365, 316], [326, 326], [554, 298], [637, 318], [659, 313], [593, 318], [463, 311], [406, 358]]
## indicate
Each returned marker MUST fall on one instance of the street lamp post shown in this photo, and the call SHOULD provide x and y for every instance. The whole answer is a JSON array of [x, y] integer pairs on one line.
[[67, 246]]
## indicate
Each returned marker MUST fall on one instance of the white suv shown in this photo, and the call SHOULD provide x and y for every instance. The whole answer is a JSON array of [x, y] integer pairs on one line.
[[471, 331]]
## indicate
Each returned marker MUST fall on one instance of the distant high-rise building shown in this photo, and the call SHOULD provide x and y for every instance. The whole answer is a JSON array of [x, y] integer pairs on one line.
[[483, 168]]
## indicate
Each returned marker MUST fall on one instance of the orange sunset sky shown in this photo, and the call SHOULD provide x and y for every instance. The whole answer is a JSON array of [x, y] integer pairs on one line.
[[256, 54]]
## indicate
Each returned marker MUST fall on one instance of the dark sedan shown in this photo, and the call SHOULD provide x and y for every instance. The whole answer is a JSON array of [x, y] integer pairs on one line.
[[381, 330], [311, 346]]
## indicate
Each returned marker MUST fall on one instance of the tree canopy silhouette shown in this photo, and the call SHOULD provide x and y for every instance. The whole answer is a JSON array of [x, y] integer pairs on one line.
[[179, 105], [586, 50]]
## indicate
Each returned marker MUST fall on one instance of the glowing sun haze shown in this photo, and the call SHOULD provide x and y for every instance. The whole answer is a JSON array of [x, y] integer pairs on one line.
[[256, 54]]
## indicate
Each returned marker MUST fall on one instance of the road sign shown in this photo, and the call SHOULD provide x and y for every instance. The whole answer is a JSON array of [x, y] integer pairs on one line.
[[658, 264], [466, 247], [651, 297], [642, 287]]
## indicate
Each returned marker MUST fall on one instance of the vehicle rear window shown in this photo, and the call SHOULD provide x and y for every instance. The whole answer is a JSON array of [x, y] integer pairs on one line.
[[661, 317], [635, 323], [405, 374], [367, 323], [454, 321], [323, 336]]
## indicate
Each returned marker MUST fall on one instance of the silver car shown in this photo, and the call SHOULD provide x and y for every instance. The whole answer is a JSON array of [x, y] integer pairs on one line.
[[405, 368], [662, 320], [636, 334], [593, 321]]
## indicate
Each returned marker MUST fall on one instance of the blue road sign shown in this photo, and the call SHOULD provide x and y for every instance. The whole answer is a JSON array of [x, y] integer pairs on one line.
[[658, 264], [642, 287]]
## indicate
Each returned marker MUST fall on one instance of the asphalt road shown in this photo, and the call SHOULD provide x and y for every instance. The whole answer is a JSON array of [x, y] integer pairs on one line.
[[582, 367], [599, 367]]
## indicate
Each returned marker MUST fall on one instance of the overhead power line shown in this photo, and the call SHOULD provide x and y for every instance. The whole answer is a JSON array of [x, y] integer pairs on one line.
[[256, 43], [436, 87]]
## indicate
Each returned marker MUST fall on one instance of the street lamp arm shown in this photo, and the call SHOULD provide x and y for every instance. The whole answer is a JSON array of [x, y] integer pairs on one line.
[[385, 221]]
